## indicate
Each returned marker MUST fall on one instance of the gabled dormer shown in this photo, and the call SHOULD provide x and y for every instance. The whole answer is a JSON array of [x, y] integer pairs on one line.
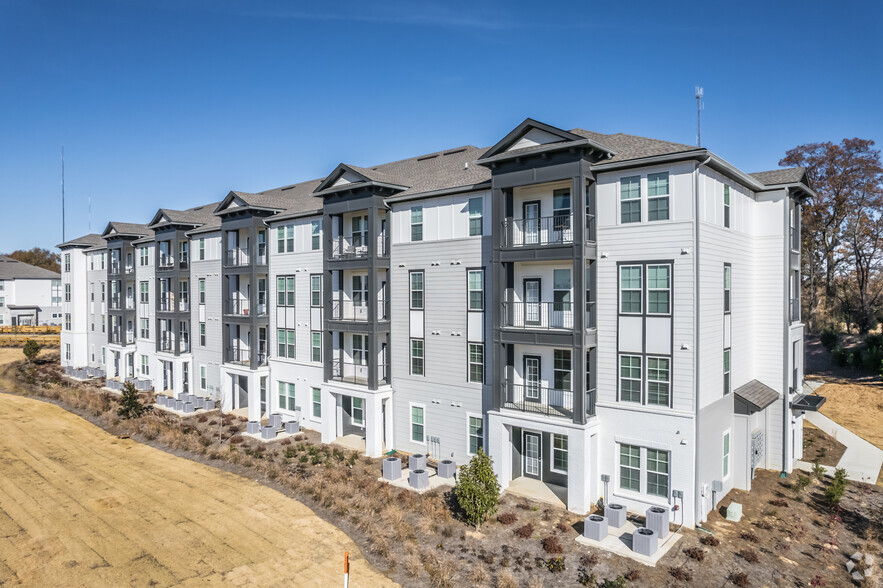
[[350, 178], [535, 139]]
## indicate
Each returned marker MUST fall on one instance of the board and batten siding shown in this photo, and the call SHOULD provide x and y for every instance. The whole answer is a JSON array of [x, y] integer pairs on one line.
[[212, 354]]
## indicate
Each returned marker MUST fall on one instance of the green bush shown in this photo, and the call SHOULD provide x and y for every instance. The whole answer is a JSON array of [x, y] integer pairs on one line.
[[828, 339], [874, 340], [31, 350], [838, 356], [818, 470], [477, 490], [854, 358], [131, 406], [873, 357]]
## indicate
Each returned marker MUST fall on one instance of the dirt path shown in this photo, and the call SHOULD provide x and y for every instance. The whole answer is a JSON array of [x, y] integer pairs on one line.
[[79, 507]]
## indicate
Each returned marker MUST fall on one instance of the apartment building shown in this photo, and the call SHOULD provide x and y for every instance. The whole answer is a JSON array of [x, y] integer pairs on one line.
[[29, 295], [607, 315]]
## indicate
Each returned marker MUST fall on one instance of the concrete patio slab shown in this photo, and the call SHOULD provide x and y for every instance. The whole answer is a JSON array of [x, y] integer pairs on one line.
[[434, 481], [619, 542], [538, 490]]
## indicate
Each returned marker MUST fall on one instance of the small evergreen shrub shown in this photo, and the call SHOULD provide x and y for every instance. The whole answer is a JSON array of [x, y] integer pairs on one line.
[[828, 339], [131, 406], [31, 350], [835, 490], [839, 356], [477, 490]]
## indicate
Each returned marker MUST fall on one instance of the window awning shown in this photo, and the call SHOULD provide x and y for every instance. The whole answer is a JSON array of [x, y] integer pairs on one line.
[[808, 402], [753, 397]]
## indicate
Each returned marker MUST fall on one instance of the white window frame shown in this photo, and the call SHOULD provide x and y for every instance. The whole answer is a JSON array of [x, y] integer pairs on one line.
[[314, 292], [145, 365], [639, 289], [556, 450], [470, 290], [411, 407], [203, 379], [412, 290], [470, 436], [360, 422], [620, 466], [728, 288], [202, 337], [727, 451], [728, 377], [315, 235], [727, 201], [288, 391], [471, 363], [313, 346], [315, 403], [475, 212]]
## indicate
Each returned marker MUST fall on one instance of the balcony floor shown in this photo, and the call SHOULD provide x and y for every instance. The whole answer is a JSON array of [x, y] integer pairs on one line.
[[537, 408]]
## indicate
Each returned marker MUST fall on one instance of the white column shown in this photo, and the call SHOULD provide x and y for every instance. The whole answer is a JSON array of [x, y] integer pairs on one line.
[[328, 427], [373, 426], [579, 460], [500, 449], [254, 398], [390, 430]]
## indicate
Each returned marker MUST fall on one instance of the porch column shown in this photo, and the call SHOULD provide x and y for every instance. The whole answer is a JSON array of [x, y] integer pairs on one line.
[[254, 398], [390, 429], [499, 448], [579, 498], [328, 427], [373, 426]]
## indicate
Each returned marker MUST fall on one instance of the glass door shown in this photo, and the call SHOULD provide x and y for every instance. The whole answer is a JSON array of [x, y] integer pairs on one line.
[[531, 222], [532, 306], [532, 462], [532, 377]]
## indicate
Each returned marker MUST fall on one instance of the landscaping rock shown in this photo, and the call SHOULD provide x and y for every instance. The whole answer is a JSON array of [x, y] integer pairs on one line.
[[857, 556], [858, 577], [850, 565]]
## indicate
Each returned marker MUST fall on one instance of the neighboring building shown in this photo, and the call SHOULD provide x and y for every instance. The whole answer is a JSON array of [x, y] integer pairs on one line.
[[29, 295], [608, 315]]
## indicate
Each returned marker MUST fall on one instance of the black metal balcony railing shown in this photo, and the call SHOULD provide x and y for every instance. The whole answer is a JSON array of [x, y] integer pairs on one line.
[[348, 249], [356, 311], [115, 302], [242, 355], [166, 303], [537, 399], [547, 230], [356, 373], [130, 270], [114, 269], [167, 343], [183, 258], [238, 307], [166, 261], [544, 315], [236, 257]]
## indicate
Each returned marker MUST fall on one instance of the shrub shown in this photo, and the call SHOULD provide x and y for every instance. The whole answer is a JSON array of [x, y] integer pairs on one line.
[[750, 536], [507, 518], [749, 555], [31, 350], [695, 553], [633, 575], [618, 582], [763, 524], [552, 544], [477, 490], [709, 540], [779, 502], [874, 340], [525, 532], [589, 559], [800, 484], [835, 490], [586, 578], [873, 357], [839, 357], [562, 526], [854, 358], [828, 339], [130, 405], [739, 579], [681, 573], [556, 564]]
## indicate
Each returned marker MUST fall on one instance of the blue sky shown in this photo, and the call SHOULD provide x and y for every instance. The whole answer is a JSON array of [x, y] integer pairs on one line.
[[174, 103]]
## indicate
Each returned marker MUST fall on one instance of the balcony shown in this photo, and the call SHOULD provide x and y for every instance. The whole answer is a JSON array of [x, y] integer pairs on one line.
[[261, 258], [538, 232], [115, 302], [242, 356], [544, 316], [356, 373], [166, 262], [236, 258], [167, 343], [343, 249], [183, 259], [355, 311], [535, 399], [130, 270], [184, 343], [166, 303], [130, 303], [183, 304]]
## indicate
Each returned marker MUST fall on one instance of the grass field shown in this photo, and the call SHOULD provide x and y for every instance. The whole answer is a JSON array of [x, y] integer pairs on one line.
[[80, 507]]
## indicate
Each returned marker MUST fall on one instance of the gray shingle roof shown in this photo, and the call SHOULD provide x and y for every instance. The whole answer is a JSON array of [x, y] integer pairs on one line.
[[197, 215], [789, 175], [12, 269], [90, 240], [128, 229], [757, 394], [632, 146]]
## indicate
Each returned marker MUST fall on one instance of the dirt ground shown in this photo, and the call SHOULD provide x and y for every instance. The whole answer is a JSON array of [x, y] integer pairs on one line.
[[818, 445], [80, 507], [856, 406]]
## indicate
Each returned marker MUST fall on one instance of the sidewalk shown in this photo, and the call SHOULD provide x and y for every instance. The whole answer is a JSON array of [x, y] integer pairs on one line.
[[862, 460]]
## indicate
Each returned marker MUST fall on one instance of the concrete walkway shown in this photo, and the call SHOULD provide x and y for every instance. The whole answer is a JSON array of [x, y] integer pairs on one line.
[[862, 460]]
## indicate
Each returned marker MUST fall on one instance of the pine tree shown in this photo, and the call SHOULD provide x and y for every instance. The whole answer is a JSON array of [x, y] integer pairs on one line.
[[31, 350], [130, 405], [477, 490]]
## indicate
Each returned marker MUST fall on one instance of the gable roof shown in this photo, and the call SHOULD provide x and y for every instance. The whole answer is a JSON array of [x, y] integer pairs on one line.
[[788, 175], [756, 395], [628, 147], [194, 217], [118, 229], [90, 240], [13, 269], [532, 136], [287, 199]]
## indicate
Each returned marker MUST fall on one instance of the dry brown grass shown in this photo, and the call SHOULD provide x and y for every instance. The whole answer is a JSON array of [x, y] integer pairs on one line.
[[505, 579], [478, 575], [844, 396]]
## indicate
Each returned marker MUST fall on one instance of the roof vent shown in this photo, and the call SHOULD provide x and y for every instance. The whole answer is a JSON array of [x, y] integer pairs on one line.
[[425, 157], [289, 187], [461, 150]]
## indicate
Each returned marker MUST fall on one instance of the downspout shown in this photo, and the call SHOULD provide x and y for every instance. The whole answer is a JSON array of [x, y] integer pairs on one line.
[[786, 343], [697, 497]]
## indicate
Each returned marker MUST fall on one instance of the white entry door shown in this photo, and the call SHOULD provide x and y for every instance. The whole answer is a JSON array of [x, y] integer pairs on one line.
[[532, 453]]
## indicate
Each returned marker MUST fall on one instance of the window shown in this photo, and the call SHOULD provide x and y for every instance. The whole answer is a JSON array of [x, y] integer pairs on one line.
[[145, 328], [562, 368], [417, 424], [67, 321], [201, 285], [3, 284], [416, 290], [360, 349], [726, 206], [286, 396], [476, 210], [630, 378], [630, 289], [657, 196], [285, 291], [561, 308], [727, 389], [315, 290], [476, 434], [417, 357], [102, 261], [280, 240], [658, 381], [559, 453], [317, 403], [102, 291], [315, 229], [416, 223], [285, 339], [202, 334], [67, 351], [145, 366], [316, 345], [630, 467], [102, 323], [727, 277], [658, 289], [144, 292], [476, 362], [475, 279], [201, 248], [358, 411], [67, 292], [56, 292], [67, 262], [360, 230], [630, 199], [726, 460], [657, 473], [2, 301]]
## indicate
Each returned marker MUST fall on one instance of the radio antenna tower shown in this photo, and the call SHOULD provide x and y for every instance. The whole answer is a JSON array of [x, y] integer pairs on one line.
[[63, 239], [699, 93]]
